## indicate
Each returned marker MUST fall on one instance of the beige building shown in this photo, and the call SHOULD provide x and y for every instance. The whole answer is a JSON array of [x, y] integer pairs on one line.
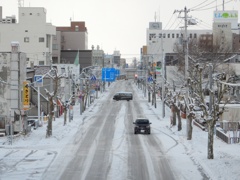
[[32, 32], [73, 37]]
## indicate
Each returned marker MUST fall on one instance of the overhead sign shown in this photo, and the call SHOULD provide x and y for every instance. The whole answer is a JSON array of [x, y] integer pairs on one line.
[[26, 95], [38, 80], [108, 74]]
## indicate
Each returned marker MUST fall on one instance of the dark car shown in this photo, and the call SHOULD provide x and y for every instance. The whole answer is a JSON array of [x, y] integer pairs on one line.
[[123, 96], [142, 125]]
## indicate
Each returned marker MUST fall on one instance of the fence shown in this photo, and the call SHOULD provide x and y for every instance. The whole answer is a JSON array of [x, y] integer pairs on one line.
[[221, 135]]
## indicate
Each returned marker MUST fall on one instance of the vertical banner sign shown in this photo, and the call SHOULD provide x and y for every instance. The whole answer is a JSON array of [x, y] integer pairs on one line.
[[26, 95]]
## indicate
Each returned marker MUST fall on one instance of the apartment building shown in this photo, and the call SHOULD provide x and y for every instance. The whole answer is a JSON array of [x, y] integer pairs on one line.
[[32, 32]]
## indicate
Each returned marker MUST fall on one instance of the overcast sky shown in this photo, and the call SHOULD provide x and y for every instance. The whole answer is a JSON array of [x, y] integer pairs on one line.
[[122, 24]]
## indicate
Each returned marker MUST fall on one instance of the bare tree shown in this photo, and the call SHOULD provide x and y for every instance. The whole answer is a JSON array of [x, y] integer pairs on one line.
[[174, 103], [51, 96]]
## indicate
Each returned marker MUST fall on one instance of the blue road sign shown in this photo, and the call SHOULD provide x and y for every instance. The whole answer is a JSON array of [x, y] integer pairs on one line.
[[38, 80], [108, 74], [150, 79], [93, 78]]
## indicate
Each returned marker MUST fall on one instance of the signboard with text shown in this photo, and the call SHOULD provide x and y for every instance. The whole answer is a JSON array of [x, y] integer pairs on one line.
[[26, 95]]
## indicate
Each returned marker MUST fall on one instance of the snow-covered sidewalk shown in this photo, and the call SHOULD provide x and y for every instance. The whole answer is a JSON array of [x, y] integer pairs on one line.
[[40, 151]]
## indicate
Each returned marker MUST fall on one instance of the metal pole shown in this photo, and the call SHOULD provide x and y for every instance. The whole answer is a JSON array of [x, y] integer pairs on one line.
[[186, 43], [163, 80], [186, 67], [210, 87], [81, 90], [38, 103]]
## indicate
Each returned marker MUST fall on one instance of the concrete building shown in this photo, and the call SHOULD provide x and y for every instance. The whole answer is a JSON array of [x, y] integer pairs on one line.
[[32, 32], [162, 42], [12, 78], [74, 37], [97, 57]]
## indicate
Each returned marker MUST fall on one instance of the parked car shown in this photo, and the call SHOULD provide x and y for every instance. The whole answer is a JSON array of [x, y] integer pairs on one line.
[[142, 125], [123, 96], [199, 115]]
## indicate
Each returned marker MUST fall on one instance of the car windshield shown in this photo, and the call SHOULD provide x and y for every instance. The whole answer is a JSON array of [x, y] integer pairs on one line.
[[142, 121]]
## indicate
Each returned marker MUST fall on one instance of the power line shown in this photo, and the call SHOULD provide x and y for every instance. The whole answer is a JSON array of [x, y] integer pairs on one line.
[[199, 9], [203, 6], [199, 4]]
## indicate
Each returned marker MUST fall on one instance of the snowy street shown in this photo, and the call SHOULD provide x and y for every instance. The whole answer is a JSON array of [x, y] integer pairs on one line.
[[101, 144]]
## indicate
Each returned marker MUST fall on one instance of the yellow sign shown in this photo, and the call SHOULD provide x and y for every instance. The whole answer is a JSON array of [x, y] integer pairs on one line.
[[26, 95]]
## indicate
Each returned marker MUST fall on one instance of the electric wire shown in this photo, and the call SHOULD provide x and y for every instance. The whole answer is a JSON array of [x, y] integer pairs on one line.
[[199, 4], [169, 21], [213, 7]]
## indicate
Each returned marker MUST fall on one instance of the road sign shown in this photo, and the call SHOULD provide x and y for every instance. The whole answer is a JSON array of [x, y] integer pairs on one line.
[[26, 95], [38, 80], [108, 74], [158, 71], [150, 79], [93, 78]]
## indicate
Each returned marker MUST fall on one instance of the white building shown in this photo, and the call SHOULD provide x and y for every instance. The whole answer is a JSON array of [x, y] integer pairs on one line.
[[161, 42], [33, 34]]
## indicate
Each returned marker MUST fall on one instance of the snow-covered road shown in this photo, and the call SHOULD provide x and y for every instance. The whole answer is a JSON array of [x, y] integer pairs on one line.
[[100, 144]]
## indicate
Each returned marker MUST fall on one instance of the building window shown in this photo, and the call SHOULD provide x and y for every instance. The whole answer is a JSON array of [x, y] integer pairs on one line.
[[41, 39], [160, 35], [55, 47], [172, 35], [26, 30], [195, 35], [76, 28], [164, 35], [190, 35], [30, 14], [41, 63], [177, 35], [168, 35], [26, 39]]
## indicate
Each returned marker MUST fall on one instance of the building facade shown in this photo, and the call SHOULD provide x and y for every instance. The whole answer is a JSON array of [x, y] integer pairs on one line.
[[33, 34], [73, 37], [12, 78]]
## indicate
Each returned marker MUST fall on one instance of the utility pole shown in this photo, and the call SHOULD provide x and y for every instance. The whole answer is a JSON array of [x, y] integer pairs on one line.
[[186, 62], [163, 78], [186, 42], [185, 39]]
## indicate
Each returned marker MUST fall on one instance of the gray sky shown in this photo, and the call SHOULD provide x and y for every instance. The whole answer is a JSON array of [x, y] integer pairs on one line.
[[122, 24]]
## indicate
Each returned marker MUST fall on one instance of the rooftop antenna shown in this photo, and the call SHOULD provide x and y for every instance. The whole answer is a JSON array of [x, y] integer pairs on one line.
[[20, 3], [155, 17], [223, 5], [159, 14]]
